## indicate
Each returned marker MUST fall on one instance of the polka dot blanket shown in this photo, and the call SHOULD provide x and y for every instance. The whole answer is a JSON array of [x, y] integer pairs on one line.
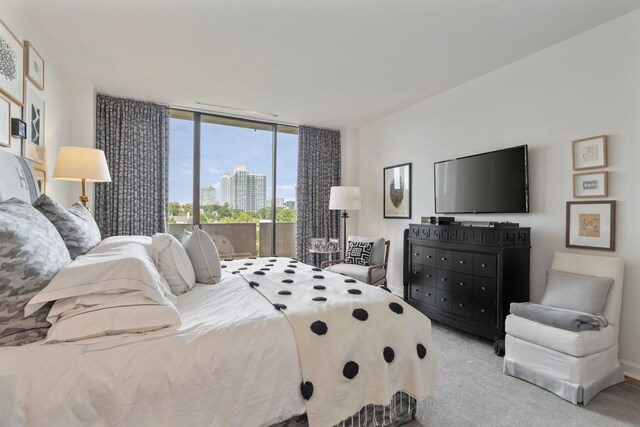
[[357, 344]]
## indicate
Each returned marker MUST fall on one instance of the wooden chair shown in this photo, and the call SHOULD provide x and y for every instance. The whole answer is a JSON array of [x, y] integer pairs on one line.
[[375, 274]]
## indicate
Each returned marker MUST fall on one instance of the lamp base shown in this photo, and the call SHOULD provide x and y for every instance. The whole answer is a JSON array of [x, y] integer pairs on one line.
[[344, 216], [83, 197]]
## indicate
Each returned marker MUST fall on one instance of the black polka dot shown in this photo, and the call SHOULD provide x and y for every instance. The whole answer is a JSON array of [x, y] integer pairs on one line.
[[316, 269], [320, 287], [284, 293], [355, 291], [289, 271], [388, 354], [242, 268], [273, 260], [319, 299], [319, 327], [293, 260], [385, 288], [265, 269], [235, 272], [318, 276], [287, 281], [306, 388], [396, 308], [248, 263], [292, 266], [350, 370], [259, 273], [268, 265], [279, 306], [228, 259], [360, 314], [254, 284], [349, 281], [253, 257], [422, 351], [223, 266]]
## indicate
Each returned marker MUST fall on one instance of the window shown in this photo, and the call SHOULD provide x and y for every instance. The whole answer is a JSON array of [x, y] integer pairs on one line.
[[245, 171]]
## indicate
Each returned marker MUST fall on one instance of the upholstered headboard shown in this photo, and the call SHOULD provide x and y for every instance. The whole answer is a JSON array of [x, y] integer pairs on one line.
[[17, 178]]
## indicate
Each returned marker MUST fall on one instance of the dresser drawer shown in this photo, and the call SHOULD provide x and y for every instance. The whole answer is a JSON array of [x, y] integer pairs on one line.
[[444, 280], [445, 259], [443, 300], [462, 283], [429, 295], [429, 276], [463, 262], [429, 257], [415, 292], [484, 312], [416, 254], [462, 305], [484, 288], [484, 265], [415, 274]]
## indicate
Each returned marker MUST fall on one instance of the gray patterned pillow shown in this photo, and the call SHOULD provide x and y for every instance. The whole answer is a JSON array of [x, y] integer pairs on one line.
[[31, 253], [75, 224]]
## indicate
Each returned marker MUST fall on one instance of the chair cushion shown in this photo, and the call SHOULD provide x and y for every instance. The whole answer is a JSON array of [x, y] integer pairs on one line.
[[379, 247], [577, 344], [358, 272], [577, 292]]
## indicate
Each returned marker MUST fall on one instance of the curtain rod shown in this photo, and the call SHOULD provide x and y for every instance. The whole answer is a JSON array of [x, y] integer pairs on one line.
[[238, 116]]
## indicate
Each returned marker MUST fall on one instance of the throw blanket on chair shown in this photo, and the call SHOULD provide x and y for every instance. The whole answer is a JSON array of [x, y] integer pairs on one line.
[[558, 317], [357, 344]]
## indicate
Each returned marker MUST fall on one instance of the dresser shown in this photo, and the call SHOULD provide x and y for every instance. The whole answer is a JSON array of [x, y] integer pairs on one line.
[[467, 277]]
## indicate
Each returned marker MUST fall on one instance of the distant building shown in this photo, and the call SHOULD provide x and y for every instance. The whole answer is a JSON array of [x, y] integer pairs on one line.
[[290, 204], [207, 195], [225, 189], [247, 191], [279, 202]]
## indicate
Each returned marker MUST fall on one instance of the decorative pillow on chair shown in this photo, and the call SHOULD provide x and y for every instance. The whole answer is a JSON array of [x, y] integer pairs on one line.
[[203, 254], [75, 224], [358, 253], [587, 294], [31, 254], [173, 262]]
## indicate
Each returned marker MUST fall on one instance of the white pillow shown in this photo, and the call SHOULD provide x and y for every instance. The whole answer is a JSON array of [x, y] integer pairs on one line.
[[173, 262], [112, 268], [203, 254], [95, 315]]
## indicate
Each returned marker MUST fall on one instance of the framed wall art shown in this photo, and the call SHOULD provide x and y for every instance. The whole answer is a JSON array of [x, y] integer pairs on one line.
[[41, 180], [397, 191], [590, 153], [34, 114], [34, 65], [591, 225], [11, 65], [5, 121], [594, 184]]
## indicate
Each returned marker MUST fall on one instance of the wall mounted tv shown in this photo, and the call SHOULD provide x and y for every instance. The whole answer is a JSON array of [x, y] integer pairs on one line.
[[493, 182]]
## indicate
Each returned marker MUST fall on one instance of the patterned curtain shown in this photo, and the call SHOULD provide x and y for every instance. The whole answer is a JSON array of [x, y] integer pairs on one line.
[[318, 171], [135, 138]]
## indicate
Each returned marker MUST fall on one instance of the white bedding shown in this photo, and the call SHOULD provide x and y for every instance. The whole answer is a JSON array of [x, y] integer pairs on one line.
[[228, 364]]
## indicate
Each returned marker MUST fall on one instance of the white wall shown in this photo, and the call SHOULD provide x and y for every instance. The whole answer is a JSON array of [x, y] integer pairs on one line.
[[56, 97], [585, 86]]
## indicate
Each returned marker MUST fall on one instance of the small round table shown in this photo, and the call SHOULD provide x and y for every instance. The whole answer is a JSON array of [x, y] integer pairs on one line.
[[319, 254]]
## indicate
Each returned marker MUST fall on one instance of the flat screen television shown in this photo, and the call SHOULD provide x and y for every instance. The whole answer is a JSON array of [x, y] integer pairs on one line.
[[493, 182]]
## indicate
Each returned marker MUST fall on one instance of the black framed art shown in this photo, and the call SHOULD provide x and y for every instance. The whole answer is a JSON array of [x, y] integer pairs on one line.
[[397, 191], [591, 225]]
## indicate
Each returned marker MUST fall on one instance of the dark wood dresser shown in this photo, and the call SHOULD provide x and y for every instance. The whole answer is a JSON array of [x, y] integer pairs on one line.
[[467, 277]]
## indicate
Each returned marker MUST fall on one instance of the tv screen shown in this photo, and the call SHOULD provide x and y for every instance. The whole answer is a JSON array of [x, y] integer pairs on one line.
[[494, 182]]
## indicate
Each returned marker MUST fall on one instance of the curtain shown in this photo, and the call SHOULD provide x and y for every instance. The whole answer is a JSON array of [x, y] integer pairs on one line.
[[318, 170], [134, 136]]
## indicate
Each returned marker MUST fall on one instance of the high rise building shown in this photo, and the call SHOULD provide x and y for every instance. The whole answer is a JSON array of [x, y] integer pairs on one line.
[[207, 195], [247, 191], [225, 189]]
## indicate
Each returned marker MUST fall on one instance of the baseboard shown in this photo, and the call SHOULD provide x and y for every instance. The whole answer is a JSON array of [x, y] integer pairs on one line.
[[631, 370], [633, 382]]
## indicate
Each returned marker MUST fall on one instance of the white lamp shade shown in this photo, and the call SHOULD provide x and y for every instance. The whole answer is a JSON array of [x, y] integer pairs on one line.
[[345, 198], [77, 163]]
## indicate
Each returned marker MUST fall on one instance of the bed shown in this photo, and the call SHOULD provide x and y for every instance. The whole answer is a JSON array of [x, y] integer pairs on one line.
[[275, 342]]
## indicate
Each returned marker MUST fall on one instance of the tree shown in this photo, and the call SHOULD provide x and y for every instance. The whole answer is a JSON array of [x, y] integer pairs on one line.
[[286, 215]]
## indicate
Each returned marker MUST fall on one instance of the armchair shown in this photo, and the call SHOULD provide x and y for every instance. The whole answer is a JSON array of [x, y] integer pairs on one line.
[[373, 274]]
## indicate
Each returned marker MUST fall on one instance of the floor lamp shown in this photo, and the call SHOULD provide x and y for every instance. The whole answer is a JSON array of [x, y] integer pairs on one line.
[[344, 199]]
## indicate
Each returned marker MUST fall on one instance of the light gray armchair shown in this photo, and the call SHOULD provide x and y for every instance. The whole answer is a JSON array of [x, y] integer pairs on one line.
[[373, 274]]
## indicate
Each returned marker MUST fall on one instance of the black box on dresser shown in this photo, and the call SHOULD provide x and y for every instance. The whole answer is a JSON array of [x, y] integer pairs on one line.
[[467, 277]]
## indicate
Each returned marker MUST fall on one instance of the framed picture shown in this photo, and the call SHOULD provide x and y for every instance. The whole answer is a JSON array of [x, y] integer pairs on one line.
[[34, 111], [11, 66], [5, 121], [594, 184], [397, 191], [41, 179], [591, 225], [34, 65], [590, 153]]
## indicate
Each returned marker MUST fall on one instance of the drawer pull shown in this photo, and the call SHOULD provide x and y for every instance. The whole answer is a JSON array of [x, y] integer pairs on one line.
[[443, 299], [483, 265], [428, 256], [428, 275], [461, 261], [484, 288], [482, 310], [461, 283], [461, 305], [416, 254], [429, 294], [443, 259], [416, 272], [444, 279], [416, 290]]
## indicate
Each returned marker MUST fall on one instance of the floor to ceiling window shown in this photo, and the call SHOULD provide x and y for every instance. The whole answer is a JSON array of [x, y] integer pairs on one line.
[[236, 173]]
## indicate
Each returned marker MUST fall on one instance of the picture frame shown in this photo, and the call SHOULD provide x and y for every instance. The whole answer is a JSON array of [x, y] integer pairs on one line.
[[591, 185], [34, 115], [12, 69], [397, 189], [34, 65], [590, 153], [5, 121], [41, 179], [591, 225]]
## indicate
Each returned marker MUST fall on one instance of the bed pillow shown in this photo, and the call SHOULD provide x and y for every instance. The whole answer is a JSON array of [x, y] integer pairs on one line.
[[113, 269], [173, 262], [358, 253], [587, 294], [203, 254], [31, 254], [75, 224]]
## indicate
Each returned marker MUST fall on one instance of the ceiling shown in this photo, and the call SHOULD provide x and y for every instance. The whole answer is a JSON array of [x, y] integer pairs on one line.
[[332, 63]]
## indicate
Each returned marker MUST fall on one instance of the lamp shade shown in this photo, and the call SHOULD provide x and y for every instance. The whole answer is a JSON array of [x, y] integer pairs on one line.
[[78, 163], [344, 198]]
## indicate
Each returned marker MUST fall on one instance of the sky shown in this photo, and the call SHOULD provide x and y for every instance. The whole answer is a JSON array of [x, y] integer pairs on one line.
[[224, 147]]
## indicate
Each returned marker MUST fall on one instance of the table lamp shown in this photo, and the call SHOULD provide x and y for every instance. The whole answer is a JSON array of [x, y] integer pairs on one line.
[[344, 199], [82, 164]]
